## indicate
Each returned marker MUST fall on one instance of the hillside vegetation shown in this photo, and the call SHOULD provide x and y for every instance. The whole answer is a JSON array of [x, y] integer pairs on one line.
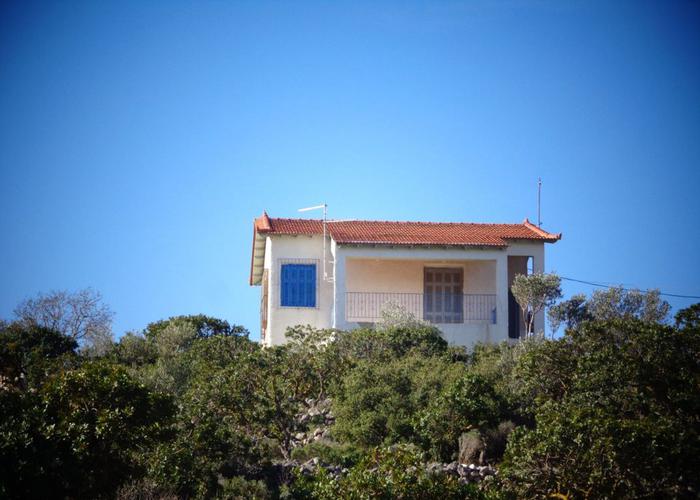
[[191, 408]]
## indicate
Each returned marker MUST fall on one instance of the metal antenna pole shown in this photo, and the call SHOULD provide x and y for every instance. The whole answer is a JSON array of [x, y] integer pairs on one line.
[[325, 221], [325, 232], [539, 197]]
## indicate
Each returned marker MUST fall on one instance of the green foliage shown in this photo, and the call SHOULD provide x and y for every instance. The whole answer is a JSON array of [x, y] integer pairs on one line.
[[379, 402], [80, 433], [571, 312], [392, 342], [617, 411], [385, 473], [689, 317], [533, 293], [605, 305], [343, 454], [134, 351], [171, 351], [316, 352], [194, 409], [203, 326], [240, 488], [497, 363], [28, 352], [469, 402]]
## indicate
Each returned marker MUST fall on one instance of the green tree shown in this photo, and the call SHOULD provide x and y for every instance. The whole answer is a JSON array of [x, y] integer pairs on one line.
[[533, 293], [378, 402], [391, 342], [202, 325], [80, 435], [468, 403], [617, 412], [385, 473], [28, 352], [688, 317], [613, 303]]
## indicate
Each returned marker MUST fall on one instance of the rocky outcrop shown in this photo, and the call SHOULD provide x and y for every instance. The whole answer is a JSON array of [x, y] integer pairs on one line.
[[318, 418], [465, 473]]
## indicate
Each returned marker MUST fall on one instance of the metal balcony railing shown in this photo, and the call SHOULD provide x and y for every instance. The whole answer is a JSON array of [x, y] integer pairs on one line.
[[431, 307]]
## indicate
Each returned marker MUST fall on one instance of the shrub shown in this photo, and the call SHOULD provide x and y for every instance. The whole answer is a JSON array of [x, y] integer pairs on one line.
[[379, 402], [617, 412], [468, 403], [387, 473], [342, 454]]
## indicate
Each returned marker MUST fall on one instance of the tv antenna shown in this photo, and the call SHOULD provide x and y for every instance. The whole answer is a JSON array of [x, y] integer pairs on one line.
[[324, 206], [539, 197]]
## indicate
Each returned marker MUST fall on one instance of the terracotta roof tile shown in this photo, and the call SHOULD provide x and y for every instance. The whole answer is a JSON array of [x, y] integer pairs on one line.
[[409, 233]]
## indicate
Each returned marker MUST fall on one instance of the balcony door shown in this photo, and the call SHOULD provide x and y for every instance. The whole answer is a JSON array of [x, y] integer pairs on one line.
[[442, 294]]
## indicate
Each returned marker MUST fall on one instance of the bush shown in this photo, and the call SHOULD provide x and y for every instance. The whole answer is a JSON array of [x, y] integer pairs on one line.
[[388, 473], [390, 343], [468, 403], [342, 454], [379, 402], [617, 411], [80, 435]]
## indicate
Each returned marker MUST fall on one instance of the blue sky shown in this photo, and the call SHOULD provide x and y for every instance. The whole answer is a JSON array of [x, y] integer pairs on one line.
[[138, 140]]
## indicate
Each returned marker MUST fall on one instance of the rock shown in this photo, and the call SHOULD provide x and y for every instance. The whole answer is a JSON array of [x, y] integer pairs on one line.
[[434, 468], [450, 468]]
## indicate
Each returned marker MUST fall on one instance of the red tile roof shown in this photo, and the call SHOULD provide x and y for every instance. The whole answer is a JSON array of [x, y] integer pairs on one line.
[[408, 233]]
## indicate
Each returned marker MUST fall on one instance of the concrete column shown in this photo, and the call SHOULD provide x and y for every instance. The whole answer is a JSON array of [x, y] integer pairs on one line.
[[538, 267], [500, 329], [338, 320]]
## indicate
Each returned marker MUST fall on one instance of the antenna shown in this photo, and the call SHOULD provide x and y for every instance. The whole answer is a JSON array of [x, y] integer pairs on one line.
[[539, 197], [325, 232]]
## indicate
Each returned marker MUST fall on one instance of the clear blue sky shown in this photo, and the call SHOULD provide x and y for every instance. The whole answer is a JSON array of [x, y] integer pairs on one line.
[[138, 140]]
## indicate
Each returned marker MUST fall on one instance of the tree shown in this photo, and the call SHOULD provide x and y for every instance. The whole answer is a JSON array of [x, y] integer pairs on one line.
[[468, 403], [203, 326], [533, 293], [79, 315], [613, 303], [617, 412], [385, 473], [380, 401], [27, 353], [688, 317], [79, 435]]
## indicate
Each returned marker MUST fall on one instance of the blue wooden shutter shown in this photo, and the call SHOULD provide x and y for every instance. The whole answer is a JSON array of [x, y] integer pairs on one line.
[[310, 286], [285, 299], [298, 285]]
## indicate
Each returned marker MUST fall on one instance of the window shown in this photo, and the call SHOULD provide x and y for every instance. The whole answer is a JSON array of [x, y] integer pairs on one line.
[[298, 285], [443, 294]]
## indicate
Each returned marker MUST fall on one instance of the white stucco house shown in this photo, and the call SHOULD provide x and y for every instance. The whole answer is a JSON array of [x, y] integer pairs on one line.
[[342, 274]]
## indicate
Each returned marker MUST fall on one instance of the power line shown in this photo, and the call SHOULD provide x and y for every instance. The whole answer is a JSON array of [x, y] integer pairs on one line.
[[628, 289]]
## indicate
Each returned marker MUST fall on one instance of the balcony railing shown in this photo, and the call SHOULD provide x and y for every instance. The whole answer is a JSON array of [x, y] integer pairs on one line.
[[431, 307]]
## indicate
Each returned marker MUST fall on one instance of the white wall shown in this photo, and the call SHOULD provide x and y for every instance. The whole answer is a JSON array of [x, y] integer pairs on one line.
[[278, 249], [484, 261], [393, 269], [406, 276]]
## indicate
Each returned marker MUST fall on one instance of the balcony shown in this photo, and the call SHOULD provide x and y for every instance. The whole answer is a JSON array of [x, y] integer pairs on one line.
[[438, 308]]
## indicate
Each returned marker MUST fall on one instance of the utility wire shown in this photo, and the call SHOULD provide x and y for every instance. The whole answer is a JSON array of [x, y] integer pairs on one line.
[[628, 289]]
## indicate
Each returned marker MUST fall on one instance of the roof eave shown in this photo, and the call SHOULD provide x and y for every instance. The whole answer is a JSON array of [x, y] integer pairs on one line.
[[544, 235]]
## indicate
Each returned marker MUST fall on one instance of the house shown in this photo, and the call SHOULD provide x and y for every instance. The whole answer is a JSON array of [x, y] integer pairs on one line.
[[342, 274]]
